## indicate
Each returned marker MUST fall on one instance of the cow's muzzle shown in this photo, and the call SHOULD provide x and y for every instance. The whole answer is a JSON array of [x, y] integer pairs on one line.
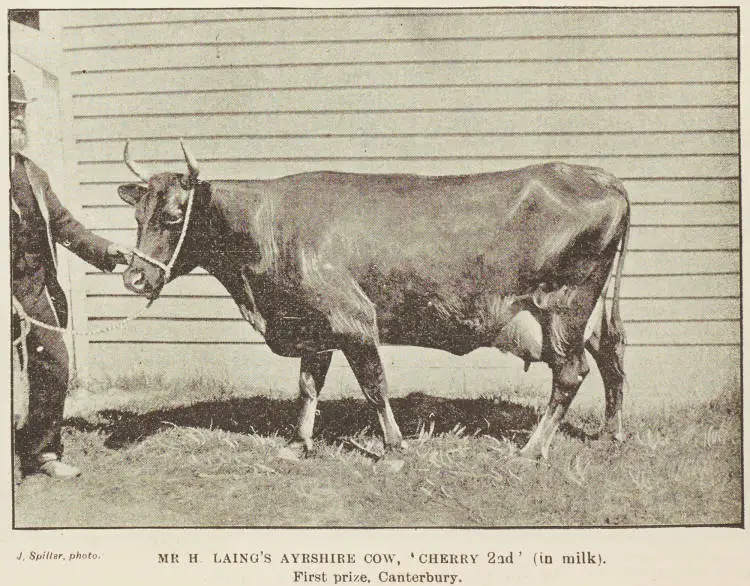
[[137, 281]]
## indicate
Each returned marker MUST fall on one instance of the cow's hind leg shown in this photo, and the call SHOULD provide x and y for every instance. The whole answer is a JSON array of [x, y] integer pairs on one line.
[[567, 376], [365, 362], [312, 376], [607, 347], [564, 327]]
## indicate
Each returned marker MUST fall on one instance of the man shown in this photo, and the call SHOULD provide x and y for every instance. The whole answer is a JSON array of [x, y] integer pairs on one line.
[[38, 222]]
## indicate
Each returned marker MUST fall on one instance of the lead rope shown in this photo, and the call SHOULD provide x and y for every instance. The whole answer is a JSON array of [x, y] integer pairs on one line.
[[27, 321]]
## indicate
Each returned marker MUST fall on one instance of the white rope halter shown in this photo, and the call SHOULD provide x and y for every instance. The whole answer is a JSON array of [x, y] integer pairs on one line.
[[167, 268]]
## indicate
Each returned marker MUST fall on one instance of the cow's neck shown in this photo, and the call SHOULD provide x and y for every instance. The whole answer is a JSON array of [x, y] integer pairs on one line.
[[220, 242], [204, 244], [216, 245]]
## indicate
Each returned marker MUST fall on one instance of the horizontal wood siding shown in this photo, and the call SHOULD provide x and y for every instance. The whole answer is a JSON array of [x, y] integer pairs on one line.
[[250, 27], [649, 95], [423, 123]]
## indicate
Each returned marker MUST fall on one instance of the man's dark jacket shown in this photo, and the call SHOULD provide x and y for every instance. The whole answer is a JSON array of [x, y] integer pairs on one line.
[[61, 227]]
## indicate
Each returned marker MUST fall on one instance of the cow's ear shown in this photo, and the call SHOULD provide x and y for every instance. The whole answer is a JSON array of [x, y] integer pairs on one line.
[[131, 193]]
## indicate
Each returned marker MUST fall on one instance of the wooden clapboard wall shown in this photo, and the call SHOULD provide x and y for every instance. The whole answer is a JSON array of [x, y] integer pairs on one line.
[[650, 95]]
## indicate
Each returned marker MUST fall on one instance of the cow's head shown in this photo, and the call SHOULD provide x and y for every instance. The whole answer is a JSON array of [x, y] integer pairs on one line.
[[160, 209]]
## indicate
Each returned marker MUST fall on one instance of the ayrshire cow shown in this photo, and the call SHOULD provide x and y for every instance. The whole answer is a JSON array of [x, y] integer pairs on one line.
[[322, 261]]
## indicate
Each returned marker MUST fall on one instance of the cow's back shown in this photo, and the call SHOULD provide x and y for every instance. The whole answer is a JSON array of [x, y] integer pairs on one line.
[[502, 227]]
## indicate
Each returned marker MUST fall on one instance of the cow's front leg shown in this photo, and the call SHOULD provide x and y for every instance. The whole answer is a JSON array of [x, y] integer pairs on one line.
[[365, 362], [312, 377]]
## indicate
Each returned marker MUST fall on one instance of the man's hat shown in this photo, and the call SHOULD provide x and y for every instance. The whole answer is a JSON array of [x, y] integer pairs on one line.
[[17, 93]]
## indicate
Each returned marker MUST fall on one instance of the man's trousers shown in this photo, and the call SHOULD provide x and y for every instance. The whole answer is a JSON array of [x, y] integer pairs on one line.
[[47, 372]]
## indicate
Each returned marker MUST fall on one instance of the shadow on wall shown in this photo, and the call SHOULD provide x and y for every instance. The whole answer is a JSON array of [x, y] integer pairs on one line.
[[337, 419]]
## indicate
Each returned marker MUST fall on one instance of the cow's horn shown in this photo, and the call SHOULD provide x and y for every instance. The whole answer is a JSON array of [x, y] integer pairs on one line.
[[132, 165], [192, 164]]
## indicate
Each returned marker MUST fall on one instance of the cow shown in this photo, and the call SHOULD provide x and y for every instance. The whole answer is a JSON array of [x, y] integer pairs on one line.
[[518, 260]]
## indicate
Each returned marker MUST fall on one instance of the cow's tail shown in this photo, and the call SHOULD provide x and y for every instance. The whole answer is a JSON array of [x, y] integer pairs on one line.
[[614, 331], [616, 318]]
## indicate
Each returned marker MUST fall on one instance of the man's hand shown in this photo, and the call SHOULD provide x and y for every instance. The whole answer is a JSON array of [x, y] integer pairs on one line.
[[122, 255]]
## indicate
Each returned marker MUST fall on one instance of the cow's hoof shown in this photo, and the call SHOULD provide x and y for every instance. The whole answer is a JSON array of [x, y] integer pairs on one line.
[[531, 453], [390, 465], [617, 436], [398, 448], [293, 452], [620, 437], [392, 460]]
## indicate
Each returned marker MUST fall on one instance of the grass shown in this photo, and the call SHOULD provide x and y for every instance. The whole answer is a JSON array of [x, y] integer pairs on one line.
[[202, 453]]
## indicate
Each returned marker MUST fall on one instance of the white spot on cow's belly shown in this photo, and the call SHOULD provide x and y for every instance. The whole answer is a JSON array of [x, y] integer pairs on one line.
[[522, 336]]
